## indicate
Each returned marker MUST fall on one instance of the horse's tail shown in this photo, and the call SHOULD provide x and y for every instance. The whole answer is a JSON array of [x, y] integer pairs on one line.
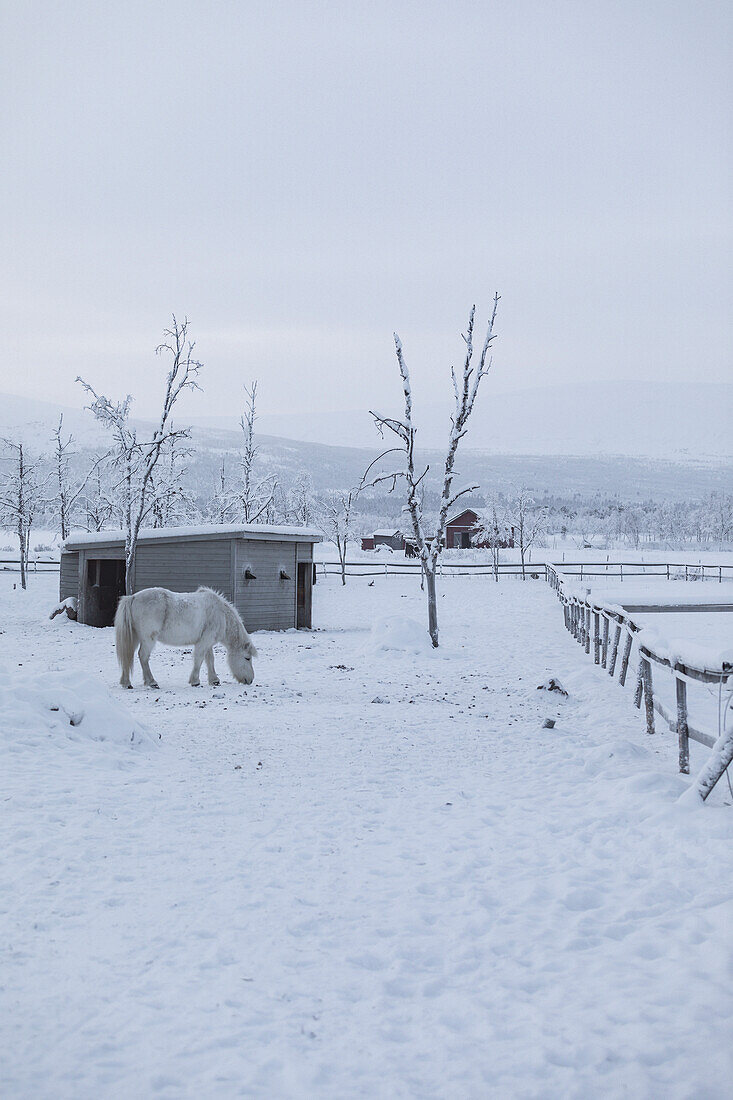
[[125, 637]]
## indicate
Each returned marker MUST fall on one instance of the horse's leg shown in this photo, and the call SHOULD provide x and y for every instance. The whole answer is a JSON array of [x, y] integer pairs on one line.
[[199, 650], [146, 648], [210, 670]]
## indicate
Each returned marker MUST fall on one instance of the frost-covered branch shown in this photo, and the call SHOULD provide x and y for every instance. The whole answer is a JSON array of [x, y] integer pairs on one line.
[[465, 389], [136, 459]]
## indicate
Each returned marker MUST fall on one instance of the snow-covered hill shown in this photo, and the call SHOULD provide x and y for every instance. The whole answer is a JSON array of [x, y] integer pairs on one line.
[[553, 470], [663, 420]]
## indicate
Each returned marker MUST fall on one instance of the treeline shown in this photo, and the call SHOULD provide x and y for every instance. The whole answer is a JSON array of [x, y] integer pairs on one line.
[[155, 477]]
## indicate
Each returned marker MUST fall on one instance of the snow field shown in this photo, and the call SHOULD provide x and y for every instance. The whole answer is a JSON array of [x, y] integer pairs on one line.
[[372, 873]]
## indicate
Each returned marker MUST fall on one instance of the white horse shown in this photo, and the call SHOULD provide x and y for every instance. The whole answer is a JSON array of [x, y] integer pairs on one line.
[[200, 618]]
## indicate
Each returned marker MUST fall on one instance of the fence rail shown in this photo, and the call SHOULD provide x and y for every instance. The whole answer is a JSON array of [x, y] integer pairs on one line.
[[33, 565], [591, 624], [445, 569], [703, 571], [534, 570]]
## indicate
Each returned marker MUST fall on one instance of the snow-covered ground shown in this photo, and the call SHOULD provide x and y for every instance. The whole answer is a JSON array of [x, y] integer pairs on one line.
[[371, 874]]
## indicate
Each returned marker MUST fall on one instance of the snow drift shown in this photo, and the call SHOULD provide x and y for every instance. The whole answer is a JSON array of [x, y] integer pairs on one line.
[[63, 707]]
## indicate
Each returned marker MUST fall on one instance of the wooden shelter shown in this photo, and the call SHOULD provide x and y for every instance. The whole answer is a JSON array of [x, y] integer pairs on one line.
[[266, 572]]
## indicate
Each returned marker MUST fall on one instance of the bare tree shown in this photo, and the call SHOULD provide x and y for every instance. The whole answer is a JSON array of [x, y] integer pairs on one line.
[[429, 546], [492, 534], [338, 515], [68, 491], [255, 496], [301, 501], [135, 458], [171, 501], [529, 523], [223, 501], [97, 501], [720, 507], [21, 495]]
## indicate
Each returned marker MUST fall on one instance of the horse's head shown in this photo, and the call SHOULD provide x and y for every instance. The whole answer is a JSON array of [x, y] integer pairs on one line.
[[240, 661]]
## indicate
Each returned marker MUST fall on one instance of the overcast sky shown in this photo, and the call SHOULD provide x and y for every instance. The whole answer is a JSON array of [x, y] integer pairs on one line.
[[303, 178]]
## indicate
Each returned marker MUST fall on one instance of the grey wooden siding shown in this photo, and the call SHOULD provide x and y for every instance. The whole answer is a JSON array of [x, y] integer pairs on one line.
[[267, 603], [183, 566], [69, 575]]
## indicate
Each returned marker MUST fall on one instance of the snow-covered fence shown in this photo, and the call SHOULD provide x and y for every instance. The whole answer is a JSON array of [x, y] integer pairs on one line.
[[33, 565], [675, 571], [610, 631], [445, 569]]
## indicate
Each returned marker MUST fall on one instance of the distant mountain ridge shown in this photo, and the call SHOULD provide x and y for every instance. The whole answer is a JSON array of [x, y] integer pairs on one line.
[[662, 420], [628, 477]]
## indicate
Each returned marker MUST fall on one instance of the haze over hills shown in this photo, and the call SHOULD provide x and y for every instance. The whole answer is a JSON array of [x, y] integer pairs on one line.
[[665, 420], [576, 471]]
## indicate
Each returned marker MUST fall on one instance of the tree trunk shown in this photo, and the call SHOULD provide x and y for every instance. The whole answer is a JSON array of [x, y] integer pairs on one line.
[[130, 570], [22, 543], [432, 606]]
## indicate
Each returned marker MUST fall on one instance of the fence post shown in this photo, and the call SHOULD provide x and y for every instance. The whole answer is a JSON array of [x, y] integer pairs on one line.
[[614, 649], [639, 689], [683, 732], [604, 647], [587, 629], [648, 695], [625, 659], [596, 637]]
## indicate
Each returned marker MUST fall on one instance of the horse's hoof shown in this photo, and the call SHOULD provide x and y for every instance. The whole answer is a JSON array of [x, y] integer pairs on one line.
[[215, 683], [154, 686], [195, 685]]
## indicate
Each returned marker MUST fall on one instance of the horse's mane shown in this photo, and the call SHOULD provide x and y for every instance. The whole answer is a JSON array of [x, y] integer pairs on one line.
[[236, 629]]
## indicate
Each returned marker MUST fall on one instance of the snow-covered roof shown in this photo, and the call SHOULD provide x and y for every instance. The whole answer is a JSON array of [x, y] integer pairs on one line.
[[460, 514], [204, 531], [386, 534]]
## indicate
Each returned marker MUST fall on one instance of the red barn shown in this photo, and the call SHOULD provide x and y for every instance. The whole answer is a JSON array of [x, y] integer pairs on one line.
[[460, 529], [461, 532]]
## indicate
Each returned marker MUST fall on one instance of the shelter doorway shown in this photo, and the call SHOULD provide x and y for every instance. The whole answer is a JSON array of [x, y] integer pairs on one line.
[[304, 595], [103, 587]]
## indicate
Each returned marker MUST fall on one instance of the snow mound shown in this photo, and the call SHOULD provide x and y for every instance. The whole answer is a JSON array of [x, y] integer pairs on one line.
[[63, 706], [398, 634]]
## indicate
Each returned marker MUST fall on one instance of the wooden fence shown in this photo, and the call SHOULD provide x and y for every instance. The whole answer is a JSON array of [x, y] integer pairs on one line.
[[609, 634], [33, 565], [583, 570], [445, 569]]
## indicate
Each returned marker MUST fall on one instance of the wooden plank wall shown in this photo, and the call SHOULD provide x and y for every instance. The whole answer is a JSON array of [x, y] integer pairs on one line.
[[69, 575], [183, 566], [268, 602]]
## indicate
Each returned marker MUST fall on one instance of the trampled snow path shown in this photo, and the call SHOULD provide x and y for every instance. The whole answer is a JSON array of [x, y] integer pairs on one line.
[[301, 892]]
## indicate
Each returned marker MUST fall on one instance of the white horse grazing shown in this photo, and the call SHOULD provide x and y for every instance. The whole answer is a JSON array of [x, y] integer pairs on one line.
[[200, 618]]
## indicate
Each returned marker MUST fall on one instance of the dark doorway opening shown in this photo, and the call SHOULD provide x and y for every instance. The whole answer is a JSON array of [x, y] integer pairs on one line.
[[105, 583], [304, 595]]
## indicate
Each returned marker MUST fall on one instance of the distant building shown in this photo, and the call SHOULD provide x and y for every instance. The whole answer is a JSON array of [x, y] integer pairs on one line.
[[463, 531], [460, 530], [392, 538]]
